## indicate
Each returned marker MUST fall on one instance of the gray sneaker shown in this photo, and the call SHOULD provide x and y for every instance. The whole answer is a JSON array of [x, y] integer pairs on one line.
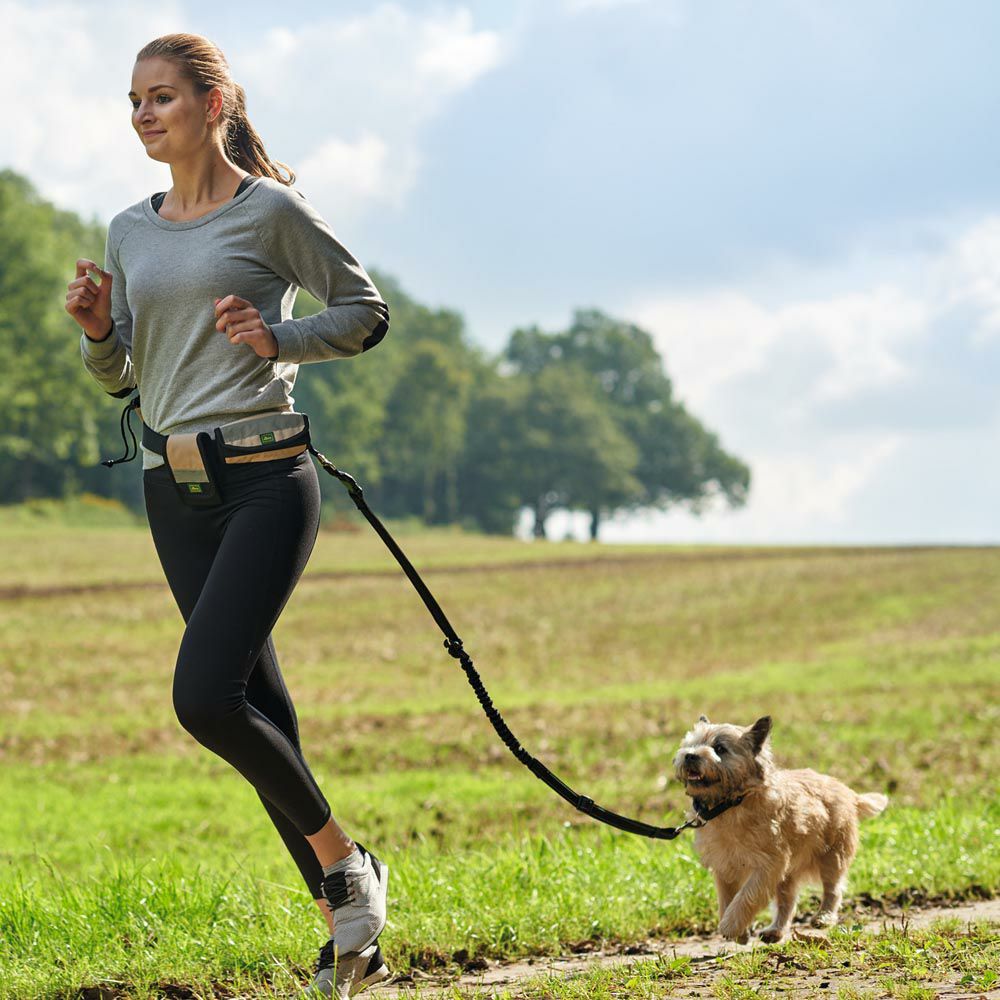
[[340, 975], [357, 901]]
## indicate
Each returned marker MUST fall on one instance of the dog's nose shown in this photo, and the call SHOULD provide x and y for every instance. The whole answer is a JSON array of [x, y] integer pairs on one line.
[[690, 758]]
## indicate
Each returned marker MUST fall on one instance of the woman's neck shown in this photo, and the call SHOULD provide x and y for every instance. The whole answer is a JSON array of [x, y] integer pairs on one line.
[[205, 183]]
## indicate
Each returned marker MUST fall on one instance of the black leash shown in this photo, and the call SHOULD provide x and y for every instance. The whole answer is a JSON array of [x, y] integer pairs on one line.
[[455, 648]]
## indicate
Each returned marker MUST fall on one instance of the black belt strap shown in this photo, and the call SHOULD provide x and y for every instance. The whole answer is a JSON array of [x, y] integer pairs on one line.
[[153, 441]]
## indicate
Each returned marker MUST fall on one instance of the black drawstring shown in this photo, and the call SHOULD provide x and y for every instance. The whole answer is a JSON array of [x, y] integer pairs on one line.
[[126, 419]]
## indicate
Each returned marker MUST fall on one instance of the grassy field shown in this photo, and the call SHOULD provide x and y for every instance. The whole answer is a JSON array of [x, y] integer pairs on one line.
[[133, 859]]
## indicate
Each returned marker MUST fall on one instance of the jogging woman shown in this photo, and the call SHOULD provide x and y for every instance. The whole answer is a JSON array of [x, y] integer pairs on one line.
[[194, 310]]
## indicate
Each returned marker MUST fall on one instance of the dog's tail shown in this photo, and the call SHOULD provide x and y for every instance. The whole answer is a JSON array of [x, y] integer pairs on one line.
[[871, 804]]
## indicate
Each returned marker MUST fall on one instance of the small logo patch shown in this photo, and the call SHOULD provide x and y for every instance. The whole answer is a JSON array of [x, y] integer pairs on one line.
[[194, 487], [267, 437]]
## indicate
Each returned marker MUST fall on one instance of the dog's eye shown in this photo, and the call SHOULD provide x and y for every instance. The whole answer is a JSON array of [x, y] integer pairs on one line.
[[720, 748]]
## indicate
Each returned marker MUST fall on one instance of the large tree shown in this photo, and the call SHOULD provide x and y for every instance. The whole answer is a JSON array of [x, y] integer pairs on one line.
[[680, 461], [544, 440]]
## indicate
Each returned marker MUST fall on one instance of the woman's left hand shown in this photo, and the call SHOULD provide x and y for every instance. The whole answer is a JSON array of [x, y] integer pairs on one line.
[[242, 323]]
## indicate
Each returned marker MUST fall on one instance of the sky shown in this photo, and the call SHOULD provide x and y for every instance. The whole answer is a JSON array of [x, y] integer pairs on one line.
[[799, 200]]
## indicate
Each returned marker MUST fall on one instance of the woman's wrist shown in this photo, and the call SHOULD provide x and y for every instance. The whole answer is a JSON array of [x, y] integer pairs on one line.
[[100, 340]]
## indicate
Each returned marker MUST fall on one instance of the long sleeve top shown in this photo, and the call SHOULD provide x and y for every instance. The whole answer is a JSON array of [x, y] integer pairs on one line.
[[262, 245]]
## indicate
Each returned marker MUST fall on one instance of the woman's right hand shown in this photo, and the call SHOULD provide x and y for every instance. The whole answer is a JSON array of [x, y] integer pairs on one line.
[[89, 303]]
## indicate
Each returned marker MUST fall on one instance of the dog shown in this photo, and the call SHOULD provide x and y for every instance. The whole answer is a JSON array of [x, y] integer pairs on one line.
[[780, 829]]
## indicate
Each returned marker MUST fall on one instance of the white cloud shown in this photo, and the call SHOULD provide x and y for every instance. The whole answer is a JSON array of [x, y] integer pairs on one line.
[[816, 487], [345, 73], [66, 113], [971, 276], [363, 85], [709, 340], [319, 92], [579, 6], [453, 55], [362, 172], [789, 383]]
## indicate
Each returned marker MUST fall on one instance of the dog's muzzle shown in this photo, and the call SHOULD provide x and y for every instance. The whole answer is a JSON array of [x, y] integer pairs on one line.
[[691, 771]]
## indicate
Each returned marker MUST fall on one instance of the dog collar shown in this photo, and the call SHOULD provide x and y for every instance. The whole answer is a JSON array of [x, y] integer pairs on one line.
[[705, 813]]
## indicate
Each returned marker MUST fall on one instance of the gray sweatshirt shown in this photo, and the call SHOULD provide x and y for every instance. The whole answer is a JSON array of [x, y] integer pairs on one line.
[[262, 245]]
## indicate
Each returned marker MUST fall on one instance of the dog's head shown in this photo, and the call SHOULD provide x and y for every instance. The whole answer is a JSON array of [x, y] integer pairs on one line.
[[720, 761]]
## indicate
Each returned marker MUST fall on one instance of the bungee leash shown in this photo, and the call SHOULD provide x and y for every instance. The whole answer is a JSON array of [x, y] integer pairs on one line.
[[456, 649]]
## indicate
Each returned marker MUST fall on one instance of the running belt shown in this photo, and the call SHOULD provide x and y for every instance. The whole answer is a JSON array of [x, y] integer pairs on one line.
[[193, 458], [259, 438]]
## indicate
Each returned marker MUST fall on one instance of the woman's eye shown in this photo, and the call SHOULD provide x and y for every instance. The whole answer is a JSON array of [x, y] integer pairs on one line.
[[135, 104]]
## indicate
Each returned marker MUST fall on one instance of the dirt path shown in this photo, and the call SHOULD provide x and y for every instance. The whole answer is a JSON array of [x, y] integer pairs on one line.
[[493, 979]]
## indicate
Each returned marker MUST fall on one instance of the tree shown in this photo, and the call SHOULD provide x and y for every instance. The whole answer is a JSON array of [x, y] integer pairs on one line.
[[55, 422], [491, 457], [546, 440], [680, 461], [577, 454], [345, 401], [425, 424]]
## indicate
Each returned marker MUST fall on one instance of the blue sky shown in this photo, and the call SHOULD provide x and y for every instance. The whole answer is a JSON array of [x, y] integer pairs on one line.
[[798, 199]]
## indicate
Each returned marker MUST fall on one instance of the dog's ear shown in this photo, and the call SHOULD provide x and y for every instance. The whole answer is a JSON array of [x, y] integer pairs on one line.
[[757, 733], [703, 718]]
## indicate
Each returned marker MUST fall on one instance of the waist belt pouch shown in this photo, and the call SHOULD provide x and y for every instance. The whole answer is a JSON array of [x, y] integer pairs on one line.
[[191, 459], [263, 438]]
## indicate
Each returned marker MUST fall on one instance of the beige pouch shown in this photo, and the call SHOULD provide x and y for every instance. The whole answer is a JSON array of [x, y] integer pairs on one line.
[[191, 459]]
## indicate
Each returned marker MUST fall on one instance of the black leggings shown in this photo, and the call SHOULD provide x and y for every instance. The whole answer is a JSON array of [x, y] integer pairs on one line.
[[231, 569]]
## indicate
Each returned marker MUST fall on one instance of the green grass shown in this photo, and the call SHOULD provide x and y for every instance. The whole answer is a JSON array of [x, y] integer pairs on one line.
[[130, 853]]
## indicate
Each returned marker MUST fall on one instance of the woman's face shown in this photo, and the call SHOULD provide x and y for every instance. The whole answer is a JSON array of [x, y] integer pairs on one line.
[[172, 122]]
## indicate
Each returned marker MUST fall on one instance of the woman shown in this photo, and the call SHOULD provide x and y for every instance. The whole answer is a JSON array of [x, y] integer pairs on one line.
[[194, 308]]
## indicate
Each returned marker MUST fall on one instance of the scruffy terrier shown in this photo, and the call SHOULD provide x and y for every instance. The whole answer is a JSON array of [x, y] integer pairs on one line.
[[780, 829]]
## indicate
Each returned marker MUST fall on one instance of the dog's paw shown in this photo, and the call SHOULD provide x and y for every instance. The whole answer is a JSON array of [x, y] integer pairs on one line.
[[733, 931], [824, 919], [772, 935]]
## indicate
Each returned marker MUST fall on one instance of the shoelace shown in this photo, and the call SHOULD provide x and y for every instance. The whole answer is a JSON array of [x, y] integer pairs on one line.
[[340, 888]]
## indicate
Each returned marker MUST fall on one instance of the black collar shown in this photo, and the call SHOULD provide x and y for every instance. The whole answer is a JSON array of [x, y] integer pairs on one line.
[[705, 813]]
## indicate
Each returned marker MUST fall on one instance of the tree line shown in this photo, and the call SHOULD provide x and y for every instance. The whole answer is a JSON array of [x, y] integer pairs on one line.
[[429, 423]]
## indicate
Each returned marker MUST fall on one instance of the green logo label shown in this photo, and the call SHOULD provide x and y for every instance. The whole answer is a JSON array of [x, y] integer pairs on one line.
[[194, 487], [267, 437]]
